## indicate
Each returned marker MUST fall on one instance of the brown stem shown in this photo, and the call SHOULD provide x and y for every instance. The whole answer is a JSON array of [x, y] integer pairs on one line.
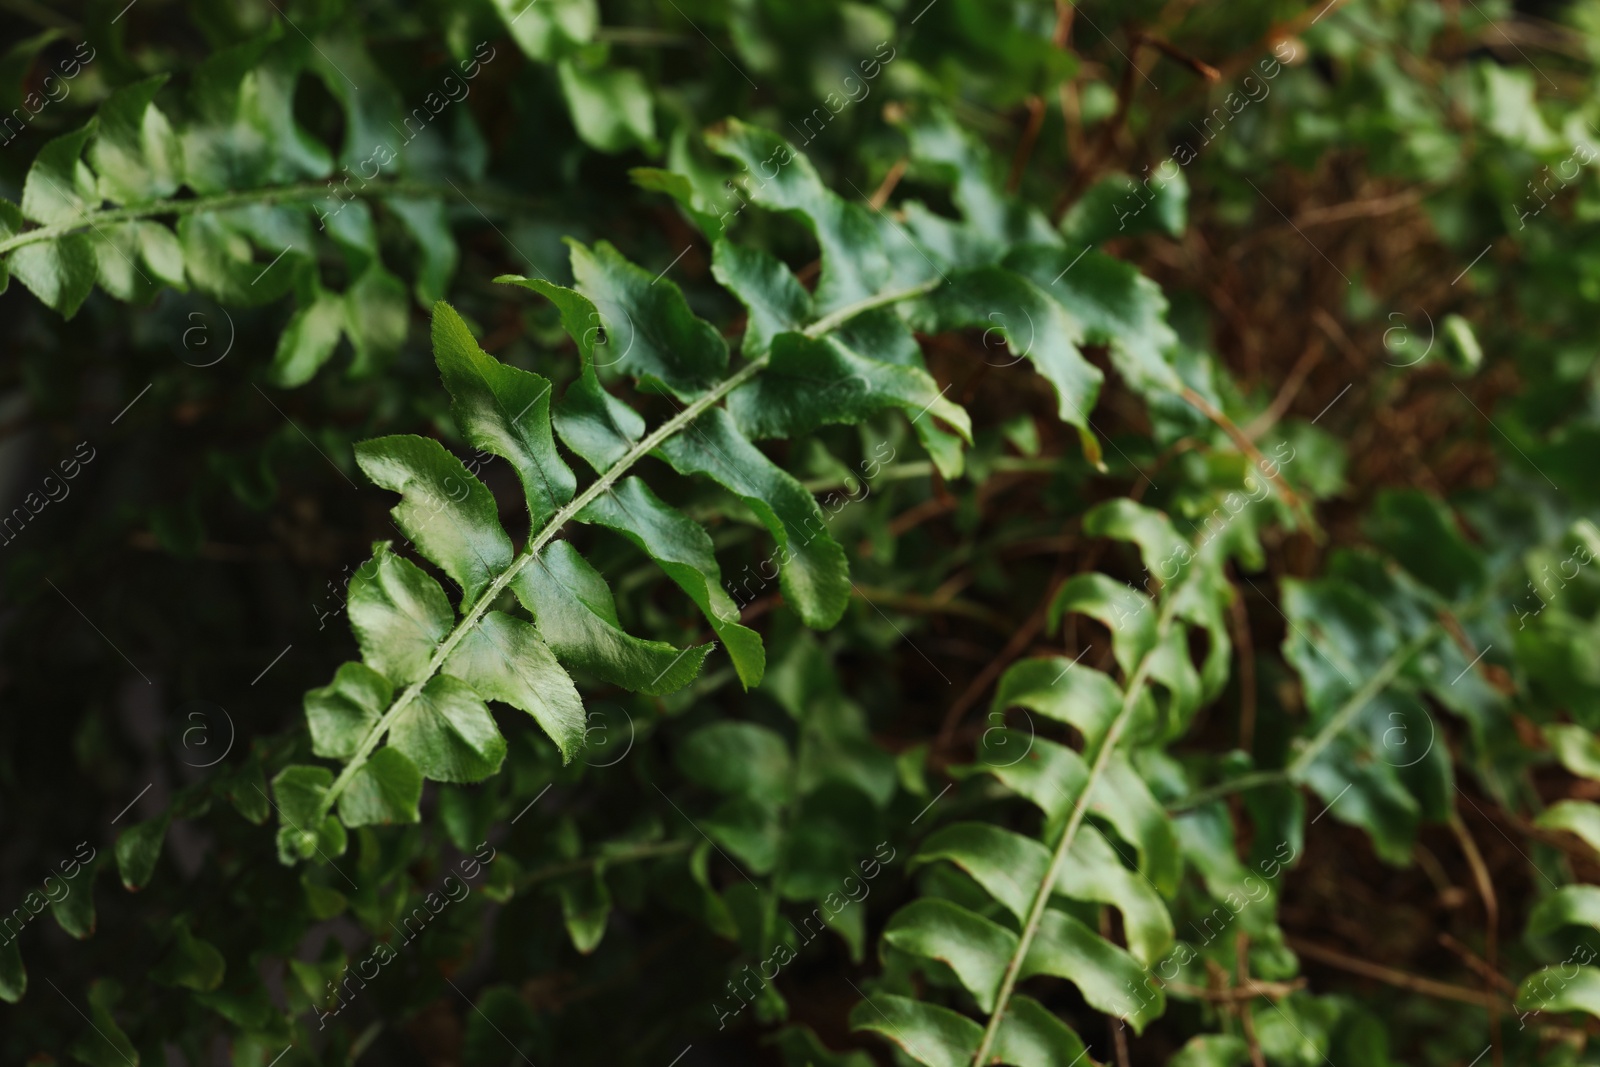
[[1241, 962], [1030, 134], [1388, 975], [1360, 209], [1477, 963], [1287, 392], [880, 195], [1491, 919], [1248, 447], [1119, 1035], [917, 514], [1199, 66], [1247, 673], [1108, 133], [1248, 990]]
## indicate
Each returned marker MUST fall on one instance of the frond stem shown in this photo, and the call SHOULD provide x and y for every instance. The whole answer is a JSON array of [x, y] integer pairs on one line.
[[648, 444], [1080, 809], [273, 194]]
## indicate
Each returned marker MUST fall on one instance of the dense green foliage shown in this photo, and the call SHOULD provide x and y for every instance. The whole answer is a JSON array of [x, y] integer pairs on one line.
[[946, 533]]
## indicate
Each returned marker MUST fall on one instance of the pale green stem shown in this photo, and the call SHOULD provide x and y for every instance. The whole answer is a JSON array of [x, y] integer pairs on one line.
[[922, 469], [1080, 808], [302, 192], [1337, 723], [1375, 684], [1252, 780], [553, 526]]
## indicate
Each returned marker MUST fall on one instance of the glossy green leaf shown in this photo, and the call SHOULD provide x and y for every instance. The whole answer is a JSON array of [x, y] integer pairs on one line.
[[503, 410], [1008, 865], [1570, 905], [1031, 1036], [1212, 1050], [298, 792], [138, 848], [1117, 306], [683, 550], [59, 186], [610, 106], [308, 341], [220, 259], [854, 261], [929, 1034], [585, 907], [1421, 534], [104, 1044], [386, 789], [1119, 206], [118, 253], [342, 713], [1063, 690], [376, 314], [1554, 989], [815, 382], [749, 828], [1575, 816], [161, 254], [399, 615], [1124, 610], [503, 658], [60, 273], [1094, 871], [706, 218], [135, 155], [650, 332], [545, 29], [1048, 773], [591, 422], [244, 133], [976, 948], [577, 617], [1360, 791], [74, 910], [811, 566], [1166, 554], [1337, 635], [1576, 748], [1109, 978], [448, 733], [1020, 321], [429, 226], [776, 300], [13, 975], [447, 512]]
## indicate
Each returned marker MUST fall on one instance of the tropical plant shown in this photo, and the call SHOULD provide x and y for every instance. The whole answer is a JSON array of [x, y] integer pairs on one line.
[[1114, 470]]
